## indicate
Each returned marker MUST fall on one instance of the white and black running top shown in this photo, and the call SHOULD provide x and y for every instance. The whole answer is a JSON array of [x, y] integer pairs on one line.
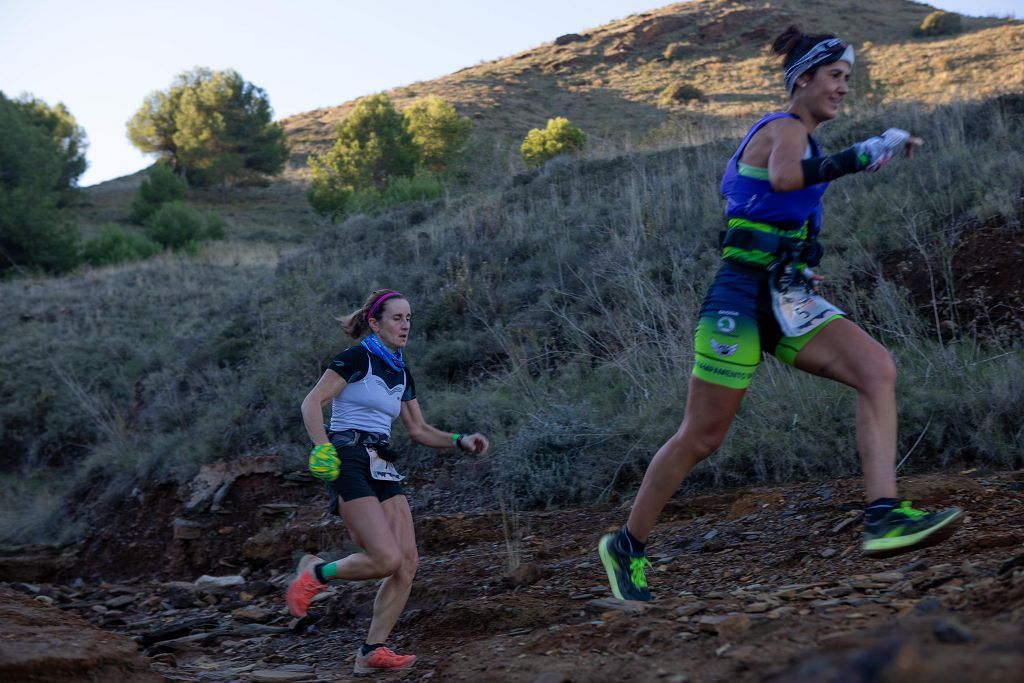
[[374, 394]]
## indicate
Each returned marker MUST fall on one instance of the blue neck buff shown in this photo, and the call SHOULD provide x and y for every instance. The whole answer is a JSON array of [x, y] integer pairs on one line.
[[377, 348]]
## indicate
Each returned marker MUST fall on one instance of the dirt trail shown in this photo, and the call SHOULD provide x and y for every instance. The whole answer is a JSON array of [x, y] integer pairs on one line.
[[759, 584]]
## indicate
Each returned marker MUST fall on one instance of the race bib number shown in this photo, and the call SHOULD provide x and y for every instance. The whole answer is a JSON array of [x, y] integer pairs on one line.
[[381, 469], [799, 311]]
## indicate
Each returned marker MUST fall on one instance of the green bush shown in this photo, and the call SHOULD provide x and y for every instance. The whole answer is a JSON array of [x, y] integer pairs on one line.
[[160, 186], [114, 244], [939, 23], [214, 227], [329, 198], [438, 132], [177, 226], [421, 186], [373, 147], [679, 92], [560, 136]]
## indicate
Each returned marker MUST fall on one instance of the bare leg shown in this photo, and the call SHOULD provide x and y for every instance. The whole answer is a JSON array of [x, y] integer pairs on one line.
[[710, 409], [846, 353], [368, 523], [394, 591]]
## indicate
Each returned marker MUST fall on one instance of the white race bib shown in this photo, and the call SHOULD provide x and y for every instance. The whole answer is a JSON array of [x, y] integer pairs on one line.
[[381, 469], [799, 311]]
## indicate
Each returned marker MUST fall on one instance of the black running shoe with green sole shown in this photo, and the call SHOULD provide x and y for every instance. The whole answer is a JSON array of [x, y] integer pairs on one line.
[[626, 572], [905, 529]]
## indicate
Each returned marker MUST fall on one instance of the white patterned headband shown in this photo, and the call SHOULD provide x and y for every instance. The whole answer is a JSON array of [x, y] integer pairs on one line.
[[825, 52]]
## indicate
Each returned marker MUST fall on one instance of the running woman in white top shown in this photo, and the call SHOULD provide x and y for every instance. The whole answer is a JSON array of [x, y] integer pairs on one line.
[[368, 386]]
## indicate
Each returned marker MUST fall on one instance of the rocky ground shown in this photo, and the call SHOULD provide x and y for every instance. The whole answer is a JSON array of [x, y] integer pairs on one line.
[[759, 584]]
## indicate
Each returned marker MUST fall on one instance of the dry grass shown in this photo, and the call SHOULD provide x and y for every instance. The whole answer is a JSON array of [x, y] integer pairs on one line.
[[233, 253]]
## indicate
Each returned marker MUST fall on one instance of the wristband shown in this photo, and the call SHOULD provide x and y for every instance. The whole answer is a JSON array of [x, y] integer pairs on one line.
[[457, 440]]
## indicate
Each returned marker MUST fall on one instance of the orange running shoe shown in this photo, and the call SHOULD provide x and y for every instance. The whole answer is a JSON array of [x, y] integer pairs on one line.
[[381, 659], [304, 586]]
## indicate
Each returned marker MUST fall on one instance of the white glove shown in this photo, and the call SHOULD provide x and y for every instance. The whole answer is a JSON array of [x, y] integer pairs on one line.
[[881, 148]]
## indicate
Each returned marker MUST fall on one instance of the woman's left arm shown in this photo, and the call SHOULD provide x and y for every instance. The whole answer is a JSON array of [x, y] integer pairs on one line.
[[428, 435]]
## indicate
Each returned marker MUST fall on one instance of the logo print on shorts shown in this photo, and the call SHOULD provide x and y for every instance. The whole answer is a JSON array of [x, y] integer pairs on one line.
[[726, 324], [724, 350]]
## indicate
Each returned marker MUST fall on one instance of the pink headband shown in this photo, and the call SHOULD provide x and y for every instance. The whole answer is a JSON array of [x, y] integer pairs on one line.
[[369, 313]]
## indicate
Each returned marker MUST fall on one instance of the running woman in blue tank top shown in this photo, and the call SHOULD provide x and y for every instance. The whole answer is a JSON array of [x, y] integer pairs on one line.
[[764, 300], [368, 386]]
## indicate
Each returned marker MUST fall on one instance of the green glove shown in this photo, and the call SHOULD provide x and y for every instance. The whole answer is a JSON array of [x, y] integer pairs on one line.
[[324, 462]]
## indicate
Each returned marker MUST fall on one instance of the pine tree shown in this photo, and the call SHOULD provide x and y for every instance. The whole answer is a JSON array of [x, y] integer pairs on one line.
[[213, 127]]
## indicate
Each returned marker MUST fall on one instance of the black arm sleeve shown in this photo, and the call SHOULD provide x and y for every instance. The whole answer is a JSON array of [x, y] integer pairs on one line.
[[822, 169], [351, 364]]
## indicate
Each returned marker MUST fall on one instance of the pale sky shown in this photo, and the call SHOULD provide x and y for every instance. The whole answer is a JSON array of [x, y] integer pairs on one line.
[[102, 57]]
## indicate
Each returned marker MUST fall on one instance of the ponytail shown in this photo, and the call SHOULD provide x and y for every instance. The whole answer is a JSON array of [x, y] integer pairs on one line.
[[357, 323]]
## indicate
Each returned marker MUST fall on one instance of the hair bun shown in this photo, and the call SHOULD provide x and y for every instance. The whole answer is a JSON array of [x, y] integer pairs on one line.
[[787, 40]]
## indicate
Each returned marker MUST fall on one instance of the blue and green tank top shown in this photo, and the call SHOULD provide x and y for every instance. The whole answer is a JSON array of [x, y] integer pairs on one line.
[[752, 204]]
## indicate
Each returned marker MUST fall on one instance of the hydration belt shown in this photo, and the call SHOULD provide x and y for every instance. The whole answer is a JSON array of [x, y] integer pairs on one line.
[[786, 249], [357, 437]]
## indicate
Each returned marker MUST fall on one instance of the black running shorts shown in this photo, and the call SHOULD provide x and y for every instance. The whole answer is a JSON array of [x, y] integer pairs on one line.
[[354, 479]]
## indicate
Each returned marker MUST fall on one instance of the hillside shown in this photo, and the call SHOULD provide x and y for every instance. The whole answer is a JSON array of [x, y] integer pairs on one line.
[[150, 434], [577, 286], [575, 290], [607, 79]]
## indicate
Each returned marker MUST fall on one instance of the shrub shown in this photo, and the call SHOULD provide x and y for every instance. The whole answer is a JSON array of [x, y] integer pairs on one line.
[[939, 23], [541, 464], [160, 186], [329, 198], [679, 92], [559, 137], [373, 148], [114, 244], [214, 227], [421, 186], [438, 132], [177, 226]]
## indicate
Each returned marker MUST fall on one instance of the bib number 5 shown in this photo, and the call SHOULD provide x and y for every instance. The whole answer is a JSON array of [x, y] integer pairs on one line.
[[798, 310]]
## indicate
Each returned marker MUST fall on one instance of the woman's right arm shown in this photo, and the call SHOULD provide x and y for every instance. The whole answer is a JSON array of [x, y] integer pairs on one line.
[[329, 386], [789, 171], [785, 160]]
